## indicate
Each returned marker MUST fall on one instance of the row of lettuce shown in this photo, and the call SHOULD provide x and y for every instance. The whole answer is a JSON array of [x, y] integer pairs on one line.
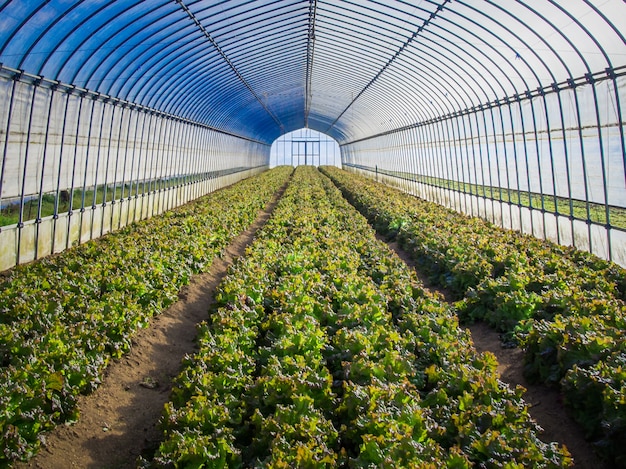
[[63, 318], [324, 350], [564, 307]]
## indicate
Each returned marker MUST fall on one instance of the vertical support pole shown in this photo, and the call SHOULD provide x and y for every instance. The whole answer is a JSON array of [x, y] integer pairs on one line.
[[170, 180], [555, 199], [43, 173], [158, 168], [94, 200], [573, 86], [145, 195], [123, 198], [515, 160], [483, 153], [128, 170], [105, 186], [58, 188], [611, 73], [539, 172], [469, 141], [138, 143], [497, 158], [193, 167], [185, 162], [444, 156], [461, 173], [20, 221], [70, 210], [87, 151], [8, 134], [169, 165], [450, 149], [506, 158], [607, 213]]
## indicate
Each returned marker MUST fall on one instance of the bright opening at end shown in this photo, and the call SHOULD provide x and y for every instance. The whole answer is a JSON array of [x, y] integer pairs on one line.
[[305, 147]]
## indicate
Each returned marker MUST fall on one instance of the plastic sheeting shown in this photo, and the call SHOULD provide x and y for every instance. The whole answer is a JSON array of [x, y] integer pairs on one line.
[[350, 69], [477, 97]]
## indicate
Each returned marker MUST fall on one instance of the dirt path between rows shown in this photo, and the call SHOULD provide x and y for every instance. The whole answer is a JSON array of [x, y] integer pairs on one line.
[[119, 421], [545, 404]]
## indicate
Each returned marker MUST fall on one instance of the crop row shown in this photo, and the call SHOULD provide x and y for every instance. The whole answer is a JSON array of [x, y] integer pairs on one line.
[[325, 351], [63, 318], [564, 307]]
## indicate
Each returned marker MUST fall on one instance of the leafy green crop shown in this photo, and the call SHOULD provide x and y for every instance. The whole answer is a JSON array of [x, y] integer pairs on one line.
[[63, 318], [564, 307], [325, 351]]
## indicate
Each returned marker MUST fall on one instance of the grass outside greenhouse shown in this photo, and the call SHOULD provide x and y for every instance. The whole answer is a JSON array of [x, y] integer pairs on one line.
[[568, 207]]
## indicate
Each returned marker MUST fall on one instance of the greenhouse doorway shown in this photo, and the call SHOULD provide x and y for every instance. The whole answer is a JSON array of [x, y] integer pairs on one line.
[[305, 147], [309, 149]]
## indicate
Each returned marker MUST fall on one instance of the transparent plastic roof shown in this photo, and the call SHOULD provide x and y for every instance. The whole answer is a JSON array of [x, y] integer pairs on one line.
[[350, 69]]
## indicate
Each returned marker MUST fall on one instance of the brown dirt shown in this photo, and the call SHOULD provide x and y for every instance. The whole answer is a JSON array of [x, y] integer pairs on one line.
[[545, 404], [119, 421]]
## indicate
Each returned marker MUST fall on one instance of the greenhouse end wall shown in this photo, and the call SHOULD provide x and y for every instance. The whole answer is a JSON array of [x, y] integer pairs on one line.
[[99, 164], [551, 163]]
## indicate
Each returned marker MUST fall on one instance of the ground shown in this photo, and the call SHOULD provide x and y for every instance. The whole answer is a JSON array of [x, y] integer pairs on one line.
[[119, 421]]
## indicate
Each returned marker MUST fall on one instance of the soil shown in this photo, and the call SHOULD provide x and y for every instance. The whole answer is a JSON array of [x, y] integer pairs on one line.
[[545, 404], [119, 421]]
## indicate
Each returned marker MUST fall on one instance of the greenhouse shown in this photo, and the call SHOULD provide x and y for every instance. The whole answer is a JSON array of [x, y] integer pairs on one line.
[[376, 179]]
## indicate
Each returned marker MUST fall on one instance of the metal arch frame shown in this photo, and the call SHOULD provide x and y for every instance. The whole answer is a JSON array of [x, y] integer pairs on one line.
[[421, 112], [549, 133], [240, 52], [424, 45], [229, 62], [43, 33], [254, 15], [388, 28], [79, 65], [183, 66], [184, 101], [385, 66], [68, 35], [446, 78], [73, 30], [441, 65], [310, 57], [601, 147], [242, 37], [376, 44], [176, 60], [344, 53], [598, 126], [197, 72], [364, 11], [126, 40], [487, 57], [544, 91], [527, 166], [537, 55], [567, 68], [460, 58], [22, 24], [259, 63], [112, 60]]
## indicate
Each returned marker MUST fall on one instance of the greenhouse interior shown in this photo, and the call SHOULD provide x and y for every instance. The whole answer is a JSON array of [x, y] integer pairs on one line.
[[403, 224]]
